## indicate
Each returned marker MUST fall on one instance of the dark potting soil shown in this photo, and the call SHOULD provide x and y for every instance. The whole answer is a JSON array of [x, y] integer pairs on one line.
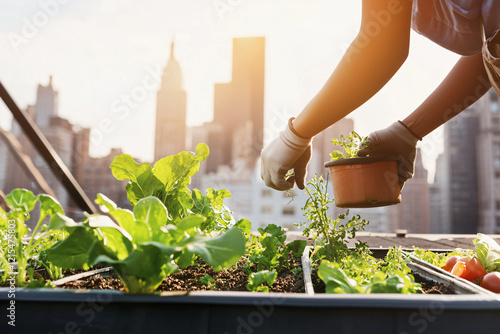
[[433, 287], [290, 280], [41, 273]]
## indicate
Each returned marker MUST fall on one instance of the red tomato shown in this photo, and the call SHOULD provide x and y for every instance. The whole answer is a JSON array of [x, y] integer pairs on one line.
[[458, 268], [467, 269], [451, 262], [492, 282]]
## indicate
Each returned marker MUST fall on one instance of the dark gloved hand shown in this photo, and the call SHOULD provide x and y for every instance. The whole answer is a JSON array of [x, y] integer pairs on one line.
[[395, 140], [286, 152]]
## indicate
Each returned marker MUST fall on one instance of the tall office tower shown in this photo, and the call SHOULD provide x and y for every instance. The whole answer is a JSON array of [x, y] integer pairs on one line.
[[59, 133], [239, 105], [488, 160], [413, 213], [438, 209], [460, 192], [47, 101], [170, 135]]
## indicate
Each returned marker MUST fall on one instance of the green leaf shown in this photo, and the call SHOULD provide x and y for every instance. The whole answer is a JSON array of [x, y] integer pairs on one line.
[[217, 197], [393, 284], [244, 225], [175, 171], [201, 204], [142, 181], [487, 252], [124, 167], [275, 231], [207, 280], [72, 252], [190, 222], [138, 230], [21, 199], [297, 247], [105, 204], [59, 222], [49, 206], [185, 259], [116, 238], [141, 272], [256, 279], [202, 151], [222, 251], [104, 222], [153, 212], [336, 155], [336, 278]]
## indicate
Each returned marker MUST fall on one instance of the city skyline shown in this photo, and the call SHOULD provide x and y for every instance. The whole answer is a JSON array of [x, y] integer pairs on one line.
[[104, 56]]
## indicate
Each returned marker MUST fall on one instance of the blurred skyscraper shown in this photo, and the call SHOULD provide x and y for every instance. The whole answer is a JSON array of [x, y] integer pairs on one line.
[[460, 142], [170, 135], [488, 163], [236, 134], [413, 213]]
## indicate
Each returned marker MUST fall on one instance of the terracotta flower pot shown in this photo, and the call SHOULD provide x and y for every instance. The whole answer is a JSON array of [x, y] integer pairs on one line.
[[365, 182]]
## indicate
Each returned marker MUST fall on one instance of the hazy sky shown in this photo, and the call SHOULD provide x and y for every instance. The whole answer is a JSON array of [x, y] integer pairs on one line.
[[104, 55]]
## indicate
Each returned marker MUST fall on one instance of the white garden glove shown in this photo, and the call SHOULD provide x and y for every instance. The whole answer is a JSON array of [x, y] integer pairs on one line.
[[288, 151], [395, 140]]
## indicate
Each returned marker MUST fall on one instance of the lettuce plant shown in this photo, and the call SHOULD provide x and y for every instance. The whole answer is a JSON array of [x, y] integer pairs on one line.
[[168, 226], [13, 229], [487, 252], [143, 247], [168, 181], [270, 254]]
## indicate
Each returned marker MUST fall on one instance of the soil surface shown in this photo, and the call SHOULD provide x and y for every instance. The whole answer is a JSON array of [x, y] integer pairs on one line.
[[433, 287], [290, 280]]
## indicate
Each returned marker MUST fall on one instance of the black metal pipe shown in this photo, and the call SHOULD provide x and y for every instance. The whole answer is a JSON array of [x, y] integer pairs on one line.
[[48, 153]]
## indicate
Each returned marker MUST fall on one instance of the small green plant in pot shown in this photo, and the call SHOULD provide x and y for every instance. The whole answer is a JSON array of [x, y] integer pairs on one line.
[[362, 182]]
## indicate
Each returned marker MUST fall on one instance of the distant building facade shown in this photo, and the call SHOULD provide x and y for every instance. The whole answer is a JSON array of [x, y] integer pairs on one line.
[[72, 145], [458, 175], [237, 131], [488, 163], [413, 213], [439, 214]]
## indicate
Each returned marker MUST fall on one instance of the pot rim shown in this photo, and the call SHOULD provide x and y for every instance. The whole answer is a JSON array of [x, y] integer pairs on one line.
[[359, 161]]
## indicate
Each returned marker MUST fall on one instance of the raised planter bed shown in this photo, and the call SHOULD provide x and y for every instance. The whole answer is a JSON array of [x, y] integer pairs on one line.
[[105, 311], [56, 311]]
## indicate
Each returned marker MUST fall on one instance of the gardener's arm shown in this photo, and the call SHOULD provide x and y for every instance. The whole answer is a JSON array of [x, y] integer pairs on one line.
[[375, 55], [463, 86]]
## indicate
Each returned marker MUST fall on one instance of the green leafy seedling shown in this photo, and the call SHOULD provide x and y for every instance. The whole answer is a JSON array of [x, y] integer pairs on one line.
[[350, 144], [208, 281]]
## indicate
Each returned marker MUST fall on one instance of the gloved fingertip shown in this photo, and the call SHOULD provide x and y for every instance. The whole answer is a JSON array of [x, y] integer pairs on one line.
[[284, 185]]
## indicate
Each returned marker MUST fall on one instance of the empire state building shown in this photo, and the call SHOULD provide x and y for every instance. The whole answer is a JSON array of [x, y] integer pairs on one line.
[[170, 130]]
